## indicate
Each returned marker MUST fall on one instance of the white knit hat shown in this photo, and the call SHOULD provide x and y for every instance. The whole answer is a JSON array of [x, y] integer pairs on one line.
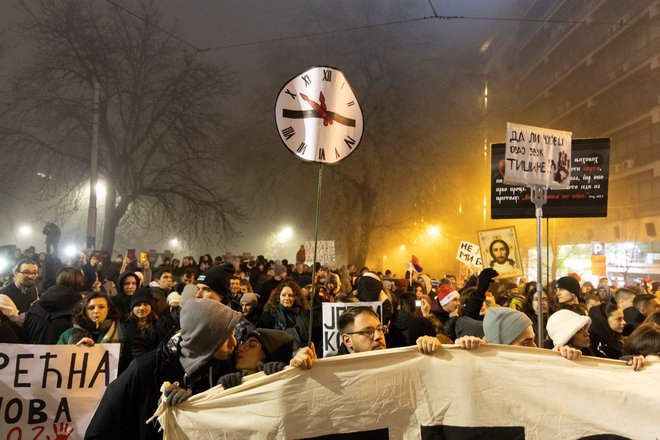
[[564, 324]]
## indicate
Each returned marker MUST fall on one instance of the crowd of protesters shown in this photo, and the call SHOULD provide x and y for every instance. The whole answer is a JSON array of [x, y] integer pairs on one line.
[[260, 311]]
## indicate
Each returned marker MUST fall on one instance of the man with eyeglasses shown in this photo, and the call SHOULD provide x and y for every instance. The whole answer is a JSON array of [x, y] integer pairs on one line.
[[361, 330], [23, 290]]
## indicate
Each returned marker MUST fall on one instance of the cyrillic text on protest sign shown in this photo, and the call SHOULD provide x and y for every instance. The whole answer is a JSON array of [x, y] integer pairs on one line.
[[537, 156], [469, 254], [325, 253], [45, 385], [331, 314]]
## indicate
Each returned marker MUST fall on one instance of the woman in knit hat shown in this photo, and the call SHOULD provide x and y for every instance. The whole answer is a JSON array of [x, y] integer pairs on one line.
[[569, 328], [250, 307], [269, 351], [141, 319]]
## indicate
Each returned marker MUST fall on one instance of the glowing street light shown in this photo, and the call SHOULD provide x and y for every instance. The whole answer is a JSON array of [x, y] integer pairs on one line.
[[402, 247], [174, 242], [70, 251], [285, 234], [433, 231], [24, 230]]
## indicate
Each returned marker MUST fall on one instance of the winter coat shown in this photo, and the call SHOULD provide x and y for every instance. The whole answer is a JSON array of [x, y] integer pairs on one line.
[[50, 316], [22, 299], [291, 320], [130, 334], [405, 328], [9, 331], [109, 332], [132, 398], [605, 342]]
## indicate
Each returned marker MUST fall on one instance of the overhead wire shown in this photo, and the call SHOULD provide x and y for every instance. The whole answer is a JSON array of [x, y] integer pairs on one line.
[[435, 16]]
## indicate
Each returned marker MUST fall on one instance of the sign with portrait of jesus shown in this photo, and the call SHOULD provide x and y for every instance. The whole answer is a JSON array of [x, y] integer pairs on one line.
[[499, 251]]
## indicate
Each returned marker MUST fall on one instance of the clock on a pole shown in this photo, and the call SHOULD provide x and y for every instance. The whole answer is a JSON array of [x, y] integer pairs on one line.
[[318, 116]]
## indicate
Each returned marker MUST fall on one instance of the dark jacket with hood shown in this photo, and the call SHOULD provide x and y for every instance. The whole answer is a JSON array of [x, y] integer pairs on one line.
[[405, 328], [605, 342], [132, 398], [121, 301], [50, 316]]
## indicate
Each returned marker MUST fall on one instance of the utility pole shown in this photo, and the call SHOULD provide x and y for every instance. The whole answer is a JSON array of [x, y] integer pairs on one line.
[[93, 177]]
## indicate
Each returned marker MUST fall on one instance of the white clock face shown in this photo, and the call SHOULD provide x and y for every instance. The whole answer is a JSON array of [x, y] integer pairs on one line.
[[318, 117]]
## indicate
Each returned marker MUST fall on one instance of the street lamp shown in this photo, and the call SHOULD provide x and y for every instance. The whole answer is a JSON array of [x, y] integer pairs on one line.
[[70, 251], [285, 234], [24, 230]]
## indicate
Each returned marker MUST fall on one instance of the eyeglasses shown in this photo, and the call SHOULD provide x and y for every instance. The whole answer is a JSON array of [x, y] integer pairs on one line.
[[370, 332], [29, 274], [250, 345]]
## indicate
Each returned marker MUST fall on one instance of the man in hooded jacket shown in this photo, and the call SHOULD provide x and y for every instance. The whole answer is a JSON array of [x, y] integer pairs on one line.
[[192, 361]]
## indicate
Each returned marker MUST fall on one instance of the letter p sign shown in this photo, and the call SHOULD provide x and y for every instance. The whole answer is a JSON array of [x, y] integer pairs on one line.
[[598, 248]]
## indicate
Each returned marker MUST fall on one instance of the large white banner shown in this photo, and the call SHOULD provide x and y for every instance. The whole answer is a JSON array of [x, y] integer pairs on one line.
[[494, 392], [51, 391]]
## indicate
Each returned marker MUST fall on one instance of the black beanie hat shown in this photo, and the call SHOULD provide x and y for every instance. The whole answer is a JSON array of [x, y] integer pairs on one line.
[[142, 295], [570, 284], [277, 344], [217, 278], [369, 287]]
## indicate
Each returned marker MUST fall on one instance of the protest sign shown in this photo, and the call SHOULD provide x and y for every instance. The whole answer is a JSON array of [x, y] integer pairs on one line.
[[499, 250], [586, 195], [324, 255], [494, 392], [331, 314], [51, 391], [469, 254], [537, 156]]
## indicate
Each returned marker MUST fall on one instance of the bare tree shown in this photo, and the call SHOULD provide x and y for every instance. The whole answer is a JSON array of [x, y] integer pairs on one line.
[[159, 119]]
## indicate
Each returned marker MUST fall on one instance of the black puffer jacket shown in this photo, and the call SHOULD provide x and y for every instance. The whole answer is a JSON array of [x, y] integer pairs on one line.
[[51, 315]]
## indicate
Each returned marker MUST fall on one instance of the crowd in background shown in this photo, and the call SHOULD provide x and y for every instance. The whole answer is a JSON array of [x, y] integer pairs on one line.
[[132, 301]]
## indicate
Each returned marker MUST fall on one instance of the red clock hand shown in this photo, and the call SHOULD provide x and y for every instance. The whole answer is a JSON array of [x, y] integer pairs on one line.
[[317, 108], [326, 118]]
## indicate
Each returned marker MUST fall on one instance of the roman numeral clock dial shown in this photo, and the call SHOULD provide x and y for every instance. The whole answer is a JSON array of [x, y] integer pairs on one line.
[[318, 116]]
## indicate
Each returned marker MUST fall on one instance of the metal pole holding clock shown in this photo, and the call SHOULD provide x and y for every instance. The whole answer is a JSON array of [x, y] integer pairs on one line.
[[316, 238], [319, 119]]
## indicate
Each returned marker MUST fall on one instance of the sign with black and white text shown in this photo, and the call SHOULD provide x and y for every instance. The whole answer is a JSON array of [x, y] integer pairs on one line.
[[537, 156], [51, 391], [469, 253], [331, 314], [586, 195]]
